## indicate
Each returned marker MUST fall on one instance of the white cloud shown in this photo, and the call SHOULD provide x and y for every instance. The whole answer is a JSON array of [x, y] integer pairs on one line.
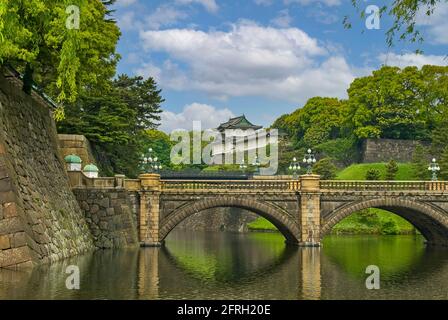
[[412, 59], [329, 3], [209, 5], [249, 60], [164, 15], [437, 24], [283, 19], [209, 116], [125, 3]]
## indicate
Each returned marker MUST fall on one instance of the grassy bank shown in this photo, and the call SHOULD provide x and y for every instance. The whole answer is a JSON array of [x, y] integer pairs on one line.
[[359, 171], [370, 221]]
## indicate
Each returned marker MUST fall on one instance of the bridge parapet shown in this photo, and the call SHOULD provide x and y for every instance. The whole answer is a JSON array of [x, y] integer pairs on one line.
[[351, 185], [230, 185]]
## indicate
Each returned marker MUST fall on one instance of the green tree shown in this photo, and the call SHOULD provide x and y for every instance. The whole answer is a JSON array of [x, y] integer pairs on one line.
[[420, 163], [318, 121], [386, 105], [161, 144], [34, 39], [343, 150], [391, 170], [326, 169], [373, 175]]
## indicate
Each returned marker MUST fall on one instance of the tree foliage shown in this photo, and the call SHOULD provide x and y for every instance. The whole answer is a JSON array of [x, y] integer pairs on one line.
[[116, 122], [388, 104], [318, 121], [326, 169], [391, 170], [34, 38], [391, 103], [373, 175]]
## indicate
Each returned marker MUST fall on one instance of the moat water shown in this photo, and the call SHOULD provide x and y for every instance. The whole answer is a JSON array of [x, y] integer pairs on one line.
[[198, 265]]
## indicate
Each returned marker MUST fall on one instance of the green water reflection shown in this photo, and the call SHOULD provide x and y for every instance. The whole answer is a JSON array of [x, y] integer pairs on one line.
[[195, 265]]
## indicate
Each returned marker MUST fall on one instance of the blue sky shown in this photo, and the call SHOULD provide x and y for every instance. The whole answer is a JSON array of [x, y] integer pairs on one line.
[[215, 59]]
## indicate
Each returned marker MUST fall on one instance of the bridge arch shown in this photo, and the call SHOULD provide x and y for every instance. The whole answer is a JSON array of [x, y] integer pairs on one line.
[[430, 220], [281, 219]]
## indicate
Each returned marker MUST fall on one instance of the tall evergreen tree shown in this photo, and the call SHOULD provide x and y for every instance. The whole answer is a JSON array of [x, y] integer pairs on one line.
[[391, 170], [116, 122]]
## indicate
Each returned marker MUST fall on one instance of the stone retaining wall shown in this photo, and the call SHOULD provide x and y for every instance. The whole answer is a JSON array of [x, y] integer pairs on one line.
[[76, 144], [40, 219], [384, 150], [111, 217]]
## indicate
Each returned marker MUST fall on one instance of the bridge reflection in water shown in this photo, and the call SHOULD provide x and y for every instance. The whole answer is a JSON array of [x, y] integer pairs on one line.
[[254, 266]]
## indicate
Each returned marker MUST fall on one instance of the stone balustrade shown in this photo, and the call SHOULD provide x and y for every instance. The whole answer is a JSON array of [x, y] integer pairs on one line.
[[436, 186], [229, 185]]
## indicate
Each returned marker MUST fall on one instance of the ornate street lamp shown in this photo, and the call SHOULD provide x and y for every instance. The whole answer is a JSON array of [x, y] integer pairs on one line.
[[243, 167], [150, 163], [257, 165], [294, 167], [434, 168], [309, 159]]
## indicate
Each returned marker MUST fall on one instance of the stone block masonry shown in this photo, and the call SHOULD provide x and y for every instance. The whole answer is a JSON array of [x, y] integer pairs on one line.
[[384, 150], [40, 219], [76, 144], [109, 214]]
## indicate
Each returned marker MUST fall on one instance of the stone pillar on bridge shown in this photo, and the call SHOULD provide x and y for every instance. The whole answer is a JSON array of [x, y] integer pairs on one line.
[[310, 210], [150, 210]]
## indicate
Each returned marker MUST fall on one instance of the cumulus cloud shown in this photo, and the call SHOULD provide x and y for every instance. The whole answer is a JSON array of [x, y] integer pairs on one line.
[[412, 59], [209, 116], [164, 15], [248, 60], [209, 5], [126, 3]]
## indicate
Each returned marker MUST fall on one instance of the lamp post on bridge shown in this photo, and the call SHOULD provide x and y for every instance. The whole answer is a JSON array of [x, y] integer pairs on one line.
[[309, 160], [150, 163], [294, 167], [434, 168]]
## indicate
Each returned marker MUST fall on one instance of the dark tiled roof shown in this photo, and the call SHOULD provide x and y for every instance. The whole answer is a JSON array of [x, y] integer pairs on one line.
[[238, 123]]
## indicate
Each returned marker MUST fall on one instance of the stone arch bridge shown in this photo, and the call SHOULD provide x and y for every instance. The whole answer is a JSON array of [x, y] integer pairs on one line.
[[304, 210]]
